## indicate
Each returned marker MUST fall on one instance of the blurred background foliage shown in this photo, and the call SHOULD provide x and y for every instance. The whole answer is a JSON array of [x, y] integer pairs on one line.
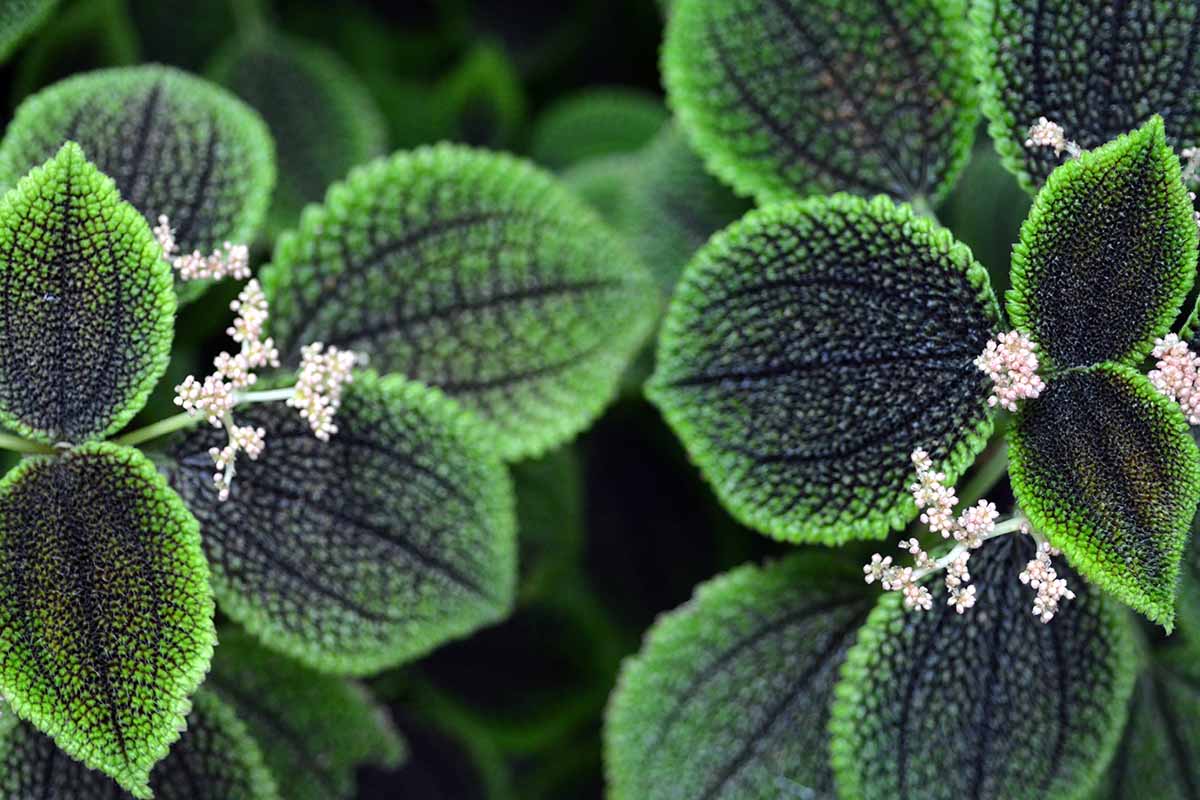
[[616, 528]]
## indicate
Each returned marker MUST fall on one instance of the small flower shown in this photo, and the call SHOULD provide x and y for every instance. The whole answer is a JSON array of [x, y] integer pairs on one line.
[[976, 523], [1010, 360], [1045, 133], [1039, 574], [916, 596], [962, 598], [877, 568]]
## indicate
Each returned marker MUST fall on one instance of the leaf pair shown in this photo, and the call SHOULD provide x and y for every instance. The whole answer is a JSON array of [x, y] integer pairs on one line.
[[768, 676], [811, 347]]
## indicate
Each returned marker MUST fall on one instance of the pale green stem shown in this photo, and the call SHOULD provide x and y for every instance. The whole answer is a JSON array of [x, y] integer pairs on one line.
[[186, 420], [19, 445], [160, 428], [1010, 525]]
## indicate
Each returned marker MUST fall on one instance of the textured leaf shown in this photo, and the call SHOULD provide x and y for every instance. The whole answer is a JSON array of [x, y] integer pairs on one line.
[[105, 611], [472, 272], [1107, 253], [1159, 753], [86, 307], [787, 98], [673, 206], [810, 348], [323, 120], [215, 759], [370, 549], [174, 144], [313, 729], [1098, 68], [1104, 466], [987, 704], [729, 697], [20, 18], [596, 122]]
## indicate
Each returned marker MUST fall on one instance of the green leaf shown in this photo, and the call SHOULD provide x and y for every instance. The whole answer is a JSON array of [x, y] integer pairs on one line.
[[313, 729], [473, 272], [86, 310], [1098, 69], [600, 121], [174, 144], [810, 348], [78, 37], [786, 97], [323, 120], [729, 697], [987, 704], [371, 549], [603, 182], [482, 100], [549, 493], [105, 611], [214, 759], [20, 18], [1107, 254], [1159, 752], [1104, 465], [673, 206]]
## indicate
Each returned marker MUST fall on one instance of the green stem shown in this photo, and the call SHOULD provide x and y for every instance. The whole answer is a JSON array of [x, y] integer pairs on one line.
[[19, 445], [990, 473], [266, 396], [160, 428]]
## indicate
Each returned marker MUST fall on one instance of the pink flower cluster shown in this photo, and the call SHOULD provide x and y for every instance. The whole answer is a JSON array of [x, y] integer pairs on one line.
[[1045, 133], [231, 261], [1010, 360], [1177, 375], [323, 373], [1039, 574]]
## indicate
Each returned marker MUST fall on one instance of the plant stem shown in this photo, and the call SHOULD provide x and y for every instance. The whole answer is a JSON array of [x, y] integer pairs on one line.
[[161, 428], [1010, 525], [185, 420], [266, 396], [988, 475], [19, 445]]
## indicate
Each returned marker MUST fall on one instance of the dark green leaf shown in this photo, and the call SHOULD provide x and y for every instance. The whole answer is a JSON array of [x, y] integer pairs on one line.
[[105, 611], [1098, 69], [992, 703], [810, 348], [482, 101], [18, 19], [1159, 754], [214, 759], [473, 272], [323, 120], [78, 37], [1107, 253], [313, 729], [86, 310], [729, 697], [673, 206], [174, 144], [549, 493], [596, 122], [604, 182], [1104, 465], [787, 98], [370, 549]]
